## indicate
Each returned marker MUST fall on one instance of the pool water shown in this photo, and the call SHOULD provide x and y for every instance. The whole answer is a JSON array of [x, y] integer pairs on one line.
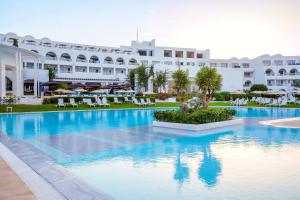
[[118, 152]]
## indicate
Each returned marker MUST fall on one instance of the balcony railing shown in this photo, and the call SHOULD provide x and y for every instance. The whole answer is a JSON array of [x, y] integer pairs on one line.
[[80, 60], [50, 58], [65, 59]]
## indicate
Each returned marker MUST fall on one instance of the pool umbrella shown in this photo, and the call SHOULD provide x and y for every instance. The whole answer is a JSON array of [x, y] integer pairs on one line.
[[101, 91], [63, 91], [258, 92], [148, 93], [239, 92], [80, 90]]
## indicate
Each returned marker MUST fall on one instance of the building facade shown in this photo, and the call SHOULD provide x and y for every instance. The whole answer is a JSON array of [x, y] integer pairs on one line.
[[89, 63]]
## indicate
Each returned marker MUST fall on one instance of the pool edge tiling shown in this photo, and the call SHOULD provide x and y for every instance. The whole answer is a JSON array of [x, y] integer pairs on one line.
[[63, 181]]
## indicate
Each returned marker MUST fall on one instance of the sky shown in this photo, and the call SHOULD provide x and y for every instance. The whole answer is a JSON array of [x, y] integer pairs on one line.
[[229, 28]]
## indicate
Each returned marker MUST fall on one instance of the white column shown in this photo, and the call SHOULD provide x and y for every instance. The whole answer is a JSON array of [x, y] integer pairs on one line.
[[16, 76], [20, 77], [35, 93], [2, 80]]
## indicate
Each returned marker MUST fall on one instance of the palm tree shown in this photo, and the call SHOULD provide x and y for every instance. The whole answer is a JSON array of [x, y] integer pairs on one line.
[[181, 81], [160, 81], [208, 81]]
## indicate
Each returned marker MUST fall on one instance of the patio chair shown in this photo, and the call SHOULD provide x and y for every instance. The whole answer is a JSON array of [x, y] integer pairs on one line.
[[85, 101], [105, 102], [283, 102], [89, 103], [144, 102], [127, 100], [73, 103], [98, 102], [136, 102], [116, 100], [61, 103], [149, 102]]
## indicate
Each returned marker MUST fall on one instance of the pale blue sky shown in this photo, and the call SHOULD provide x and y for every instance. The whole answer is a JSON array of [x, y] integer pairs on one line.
[[227, 27]]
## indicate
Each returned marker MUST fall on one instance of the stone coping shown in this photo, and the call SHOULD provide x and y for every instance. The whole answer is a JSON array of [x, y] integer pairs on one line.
[[47, 180], [283, 123], [198, 127]]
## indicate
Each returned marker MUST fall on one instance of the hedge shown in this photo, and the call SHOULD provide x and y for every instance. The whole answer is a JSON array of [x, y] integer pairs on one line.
[[54, 100], [198, 116]]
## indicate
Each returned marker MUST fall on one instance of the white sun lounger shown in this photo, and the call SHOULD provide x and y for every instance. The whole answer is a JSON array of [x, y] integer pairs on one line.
[[104, 102], [89, 103], [61, 103], [73, 103], [116, 100]]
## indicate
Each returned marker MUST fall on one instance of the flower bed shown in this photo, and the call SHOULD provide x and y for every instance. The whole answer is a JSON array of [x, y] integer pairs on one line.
[[198, 120], [198, 116]]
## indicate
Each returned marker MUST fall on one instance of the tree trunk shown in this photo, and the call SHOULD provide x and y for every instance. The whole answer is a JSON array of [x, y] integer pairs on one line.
[[178, 94], [205, 100]]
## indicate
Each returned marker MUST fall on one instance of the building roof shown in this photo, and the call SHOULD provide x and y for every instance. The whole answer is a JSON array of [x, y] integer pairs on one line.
[[25, 53]]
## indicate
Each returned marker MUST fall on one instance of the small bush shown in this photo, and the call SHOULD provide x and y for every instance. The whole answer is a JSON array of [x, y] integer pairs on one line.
[[259, 87], [222, 96], [198, 116]]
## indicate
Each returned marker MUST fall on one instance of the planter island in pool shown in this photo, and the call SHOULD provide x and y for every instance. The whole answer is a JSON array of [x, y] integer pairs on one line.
[[198, 127]]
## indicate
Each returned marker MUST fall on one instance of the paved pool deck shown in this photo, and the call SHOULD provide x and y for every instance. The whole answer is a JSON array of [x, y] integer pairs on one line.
[[283, 123], [11, 185]]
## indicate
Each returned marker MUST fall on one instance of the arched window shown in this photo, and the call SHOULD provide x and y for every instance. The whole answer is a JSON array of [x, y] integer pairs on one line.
[[294, 72], [51, 56], [8, 83], [120, 61], [35, 51], [94, 59], [248, 84], [282, 72], [132, 61], [269, 72], [108, 60], [65, 57], [81, 58]]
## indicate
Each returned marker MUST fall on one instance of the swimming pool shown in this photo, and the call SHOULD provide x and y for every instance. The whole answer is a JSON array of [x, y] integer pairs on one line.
[[116, 151]]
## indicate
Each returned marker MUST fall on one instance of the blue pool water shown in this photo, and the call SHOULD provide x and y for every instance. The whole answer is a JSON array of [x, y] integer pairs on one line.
[[118, 152]]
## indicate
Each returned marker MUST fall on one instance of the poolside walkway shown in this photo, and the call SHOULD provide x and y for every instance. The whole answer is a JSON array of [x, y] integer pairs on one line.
[[11, 186], [287, 123]]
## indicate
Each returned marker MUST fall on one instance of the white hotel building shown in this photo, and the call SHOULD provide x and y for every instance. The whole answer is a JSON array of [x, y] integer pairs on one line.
[[99, 64]]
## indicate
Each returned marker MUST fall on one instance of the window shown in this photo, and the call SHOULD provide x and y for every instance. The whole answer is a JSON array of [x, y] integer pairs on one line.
[[145, 62], [80, 69], [201, 64], [213, 64], [266, 62], [291, 62], [168, 63], [199, 55], [167, 53], [179, 54], [94, 69], [155, 62], [245, 65], [224, 64], [278, 62], [142, 52], [190, 54]]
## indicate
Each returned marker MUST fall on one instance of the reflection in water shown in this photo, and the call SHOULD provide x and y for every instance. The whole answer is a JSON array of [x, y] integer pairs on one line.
[[181, 171], [110, 149], [209, 168]]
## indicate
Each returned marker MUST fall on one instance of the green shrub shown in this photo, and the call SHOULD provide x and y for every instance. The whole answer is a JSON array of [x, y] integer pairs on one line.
[[198, 116], [222, 96], [259, 87]]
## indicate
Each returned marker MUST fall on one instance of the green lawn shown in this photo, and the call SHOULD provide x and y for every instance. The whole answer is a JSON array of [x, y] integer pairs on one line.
[[251, 104], [52, 107]]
